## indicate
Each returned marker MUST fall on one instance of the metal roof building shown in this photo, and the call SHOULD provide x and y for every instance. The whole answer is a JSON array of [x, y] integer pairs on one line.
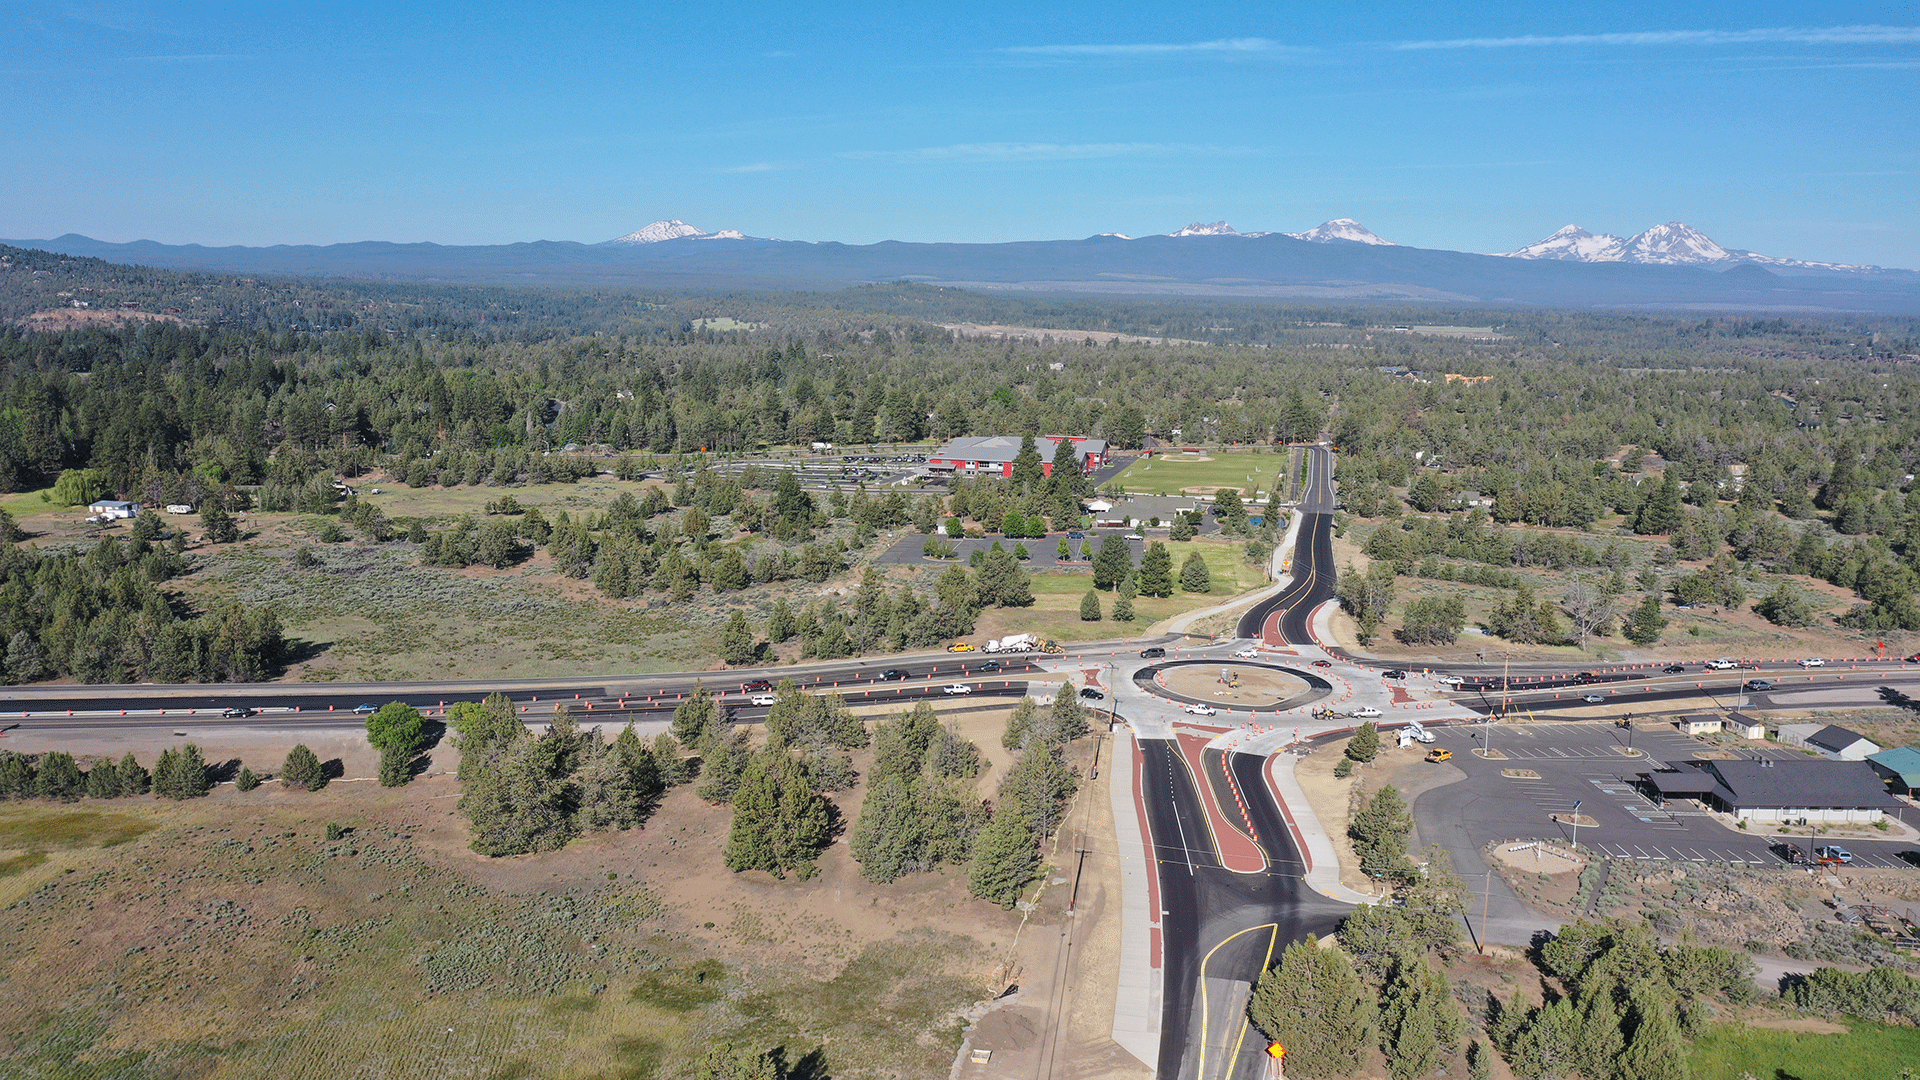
[[1777, 791], [1900, 766], [993, 455]]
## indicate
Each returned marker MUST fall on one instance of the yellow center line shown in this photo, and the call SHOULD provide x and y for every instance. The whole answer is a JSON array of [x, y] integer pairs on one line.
[[1206, 1009]]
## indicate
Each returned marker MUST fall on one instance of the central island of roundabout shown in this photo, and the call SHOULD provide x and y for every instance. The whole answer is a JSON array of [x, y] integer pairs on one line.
[[1246, 686]]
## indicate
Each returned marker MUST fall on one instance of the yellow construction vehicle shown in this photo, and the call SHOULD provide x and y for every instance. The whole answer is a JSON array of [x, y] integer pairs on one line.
[[1051, 647]]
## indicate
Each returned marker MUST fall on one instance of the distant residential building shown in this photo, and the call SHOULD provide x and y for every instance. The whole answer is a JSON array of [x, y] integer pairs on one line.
[[1796, 734], [113, 509], [179, 508], [1900, 767], [1777, 792], [1701, 725], [1841, 744], [1746, 726], [993, 455]]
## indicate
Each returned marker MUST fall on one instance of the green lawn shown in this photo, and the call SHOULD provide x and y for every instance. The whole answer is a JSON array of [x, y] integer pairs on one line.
[[1056, 597], [1868, 1051], [1170, 475]]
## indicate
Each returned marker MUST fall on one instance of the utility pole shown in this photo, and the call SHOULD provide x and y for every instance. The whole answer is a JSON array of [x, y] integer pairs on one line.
[[1574, 820], [1486, 901]]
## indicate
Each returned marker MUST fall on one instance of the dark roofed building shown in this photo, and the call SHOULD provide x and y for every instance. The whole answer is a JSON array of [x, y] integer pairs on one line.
[[1777, 791], [993, 455], [1840, 744]]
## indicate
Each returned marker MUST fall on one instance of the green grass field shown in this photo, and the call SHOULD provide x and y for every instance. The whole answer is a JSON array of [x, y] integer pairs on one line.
[[1249, 471], [1056, 608], [1868, 1051]]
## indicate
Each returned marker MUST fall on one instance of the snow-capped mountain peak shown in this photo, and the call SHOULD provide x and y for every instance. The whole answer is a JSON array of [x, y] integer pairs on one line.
[[1217, 228], [1574, 244], [1342, 230], [1674, 243], [675, 229]]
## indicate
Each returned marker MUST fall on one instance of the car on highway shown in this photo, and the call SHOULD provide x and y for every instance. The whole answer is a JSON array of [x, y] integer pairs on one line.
[[1813, 662], [1393, 673], [1674, 669], [1152, 652], [1833, 854], [1365, 712], [991, 665], [1247, 653], [236, 712], [1723, 664], [956, 688], [891, 674], [1757, 684], [1091, 694], [1322, 663], [1914, 659], [1200, 709], [755, 686], [1452, 680], [363, 707], [960, 646], [763, 699], [1594, 699], [1584, 678]]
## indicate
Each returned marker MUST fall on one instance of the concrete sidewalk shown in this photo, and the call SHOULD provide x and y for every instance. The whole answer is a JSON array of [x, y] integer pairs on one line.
[[1137, 1001]]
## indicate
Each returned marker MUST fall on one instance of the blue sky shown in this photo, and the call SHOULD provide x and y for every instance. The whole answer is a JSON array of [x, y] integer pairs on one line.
[[1789, 129]]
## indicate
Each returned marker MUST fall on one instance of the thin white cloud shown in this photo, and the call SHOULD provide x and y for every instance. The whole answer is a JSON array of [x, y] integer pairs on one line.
[[967, 153], [1224, 45], [1830, 35]]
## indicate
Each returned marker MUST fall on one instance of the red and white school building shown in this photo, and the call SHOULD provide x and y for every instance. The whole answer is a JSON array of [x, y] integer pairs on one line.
[[993, 455]]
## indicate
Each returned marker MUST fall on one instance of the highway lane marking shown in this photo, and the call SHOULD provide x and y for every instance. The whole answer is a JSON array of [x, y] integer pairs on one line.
[[1206, 1005]]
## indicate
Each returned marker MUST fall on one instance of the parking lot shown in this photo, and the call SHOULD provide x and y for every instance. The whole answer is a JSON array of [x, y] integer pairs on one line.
[[1546, 768]]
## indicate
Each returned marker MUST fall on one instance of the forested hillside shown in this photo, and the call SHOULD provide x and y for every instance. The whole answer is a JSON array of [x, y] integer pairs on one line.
[[1788, 446]]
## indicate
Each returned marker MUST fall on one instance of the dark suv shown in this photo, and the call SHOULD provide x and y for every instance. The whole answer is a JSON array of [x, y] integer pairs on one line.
[[756, 686], [1393, 673], [1153, 652], [891, 674]]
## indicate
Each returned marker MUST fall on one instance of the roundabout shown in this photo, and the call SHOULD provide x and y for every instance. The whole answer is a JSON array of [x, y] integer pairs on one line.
[[1258, 687]]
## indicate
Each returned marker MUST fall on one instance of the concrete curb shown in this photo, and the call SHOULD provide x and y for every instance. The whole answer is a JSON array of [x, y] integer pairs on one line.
[[1323, 861], [1137, 1000]]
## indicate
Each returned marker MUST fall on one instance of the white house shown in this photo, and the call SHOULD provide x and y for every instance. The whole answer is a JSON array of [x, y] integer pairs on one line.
[[1700, 725], [1841, 744], [1746, 726], [111, 509]]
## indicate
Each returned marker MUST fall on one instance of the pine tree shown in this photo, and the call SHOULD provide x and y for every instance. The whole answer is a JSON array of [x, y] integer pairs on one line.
[[1656, 1050], [1379, 833], [1661, 513], [482, 727], [1005, 857], [1019, 725], [1112, 563], [16, 775], [696, 721], [1123, 609], [396, 768], [736, 640], [1313, 1003], [59, 777], [1435, 901], [1090, 607], [1156, 571], [889, 838], [721, 767], [134, 780], [523, 799], [301, 769], [181, 774], [1643, 627], [103, 781], [1069, 719], [245, 780], [1364, 746], [1194, 575], [1420, 1020]]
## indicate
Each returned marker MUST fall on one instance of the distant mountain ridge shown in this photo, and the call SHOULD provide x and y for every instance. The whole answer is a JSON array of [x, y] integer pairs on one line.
[[1668, 267], [1674, 244]]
